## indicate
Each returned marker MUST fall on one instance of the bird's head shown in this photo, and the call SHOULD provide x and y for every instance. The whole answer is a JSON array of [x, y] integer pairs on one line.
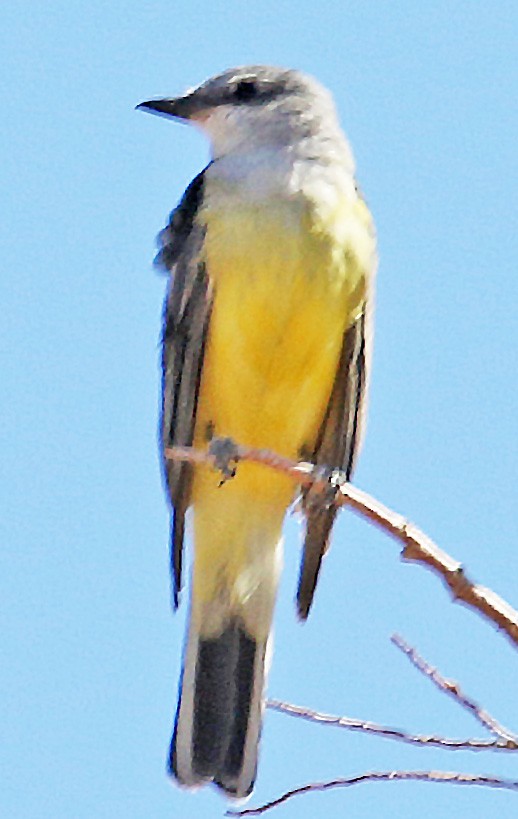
[[252, 106]]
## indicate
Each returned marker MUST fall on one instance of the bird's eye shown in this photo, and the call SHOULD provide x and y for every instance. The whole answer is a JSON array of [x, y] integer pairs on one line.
[[245, 90]]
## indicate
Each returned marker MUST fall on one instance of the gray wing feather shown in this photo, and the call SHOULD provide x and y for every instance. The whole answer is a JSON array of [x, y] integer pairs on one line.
[[186, 318], [337, 446]]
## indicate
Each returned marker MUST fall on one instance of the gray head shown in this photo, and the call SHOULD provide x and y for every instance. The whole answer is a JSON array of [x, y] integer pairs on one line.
[[254, 106]]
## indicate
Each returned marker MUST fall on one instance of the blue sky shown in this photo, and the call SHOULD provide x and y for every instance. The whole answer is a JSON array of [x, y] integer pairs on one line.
[[91, 650]]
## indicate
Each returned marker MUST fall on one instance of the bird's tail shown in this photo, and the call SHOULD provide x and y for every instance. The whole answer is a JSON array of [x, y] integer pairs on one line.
[[218, 721]]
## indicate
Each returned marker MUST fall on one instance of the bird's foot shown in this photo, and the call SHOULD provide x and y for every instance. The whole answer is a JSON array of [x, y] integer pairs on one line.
[[323, 492], [225, 452]]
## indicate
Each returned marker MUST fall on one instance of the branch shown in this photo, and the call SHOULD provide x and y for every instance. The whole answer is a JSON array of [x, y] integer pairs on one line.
[[453, 689], [384, 776], [506, 740], [391, 733], [416, 545]]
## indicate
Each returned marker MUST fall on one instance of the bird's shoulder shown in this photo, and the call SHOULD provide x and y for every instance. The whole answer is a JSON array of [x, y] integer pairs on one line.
[[172, 238]]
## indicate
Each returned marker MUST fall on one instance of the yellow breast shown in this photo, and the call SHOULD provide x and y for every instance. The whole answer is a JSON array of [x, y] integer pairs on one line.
[[285, 291]]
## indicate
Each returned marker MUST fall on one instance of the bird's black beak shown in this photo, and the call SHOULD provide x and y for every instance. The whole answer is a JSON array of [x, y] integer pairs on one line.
[[182, 108]]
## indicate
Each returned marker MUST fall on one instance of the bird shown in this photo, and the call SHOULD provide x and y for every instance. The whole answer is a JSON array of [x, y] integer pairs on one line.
[[266, 340]]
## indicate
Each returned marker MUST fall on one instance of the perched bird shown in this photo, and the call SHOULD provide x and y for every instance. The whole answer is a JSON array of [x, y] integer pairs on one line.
[[266, 339]]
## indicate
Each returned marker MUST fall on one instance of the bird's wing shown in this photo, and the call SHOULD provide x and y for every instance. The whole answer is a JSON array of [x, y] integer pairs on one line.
[[337, 446], [186, 318]]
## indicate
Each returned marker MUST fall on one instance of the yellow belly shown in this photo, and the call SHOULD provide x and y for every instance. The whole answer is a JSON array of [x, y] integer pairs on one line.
[[284, 294], [283, 297]]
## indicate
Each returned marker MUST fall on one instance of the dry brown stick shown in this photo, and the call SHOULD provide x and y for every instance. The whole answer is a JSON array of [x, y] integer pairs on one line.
[[454, 690], [416, 545], [392, 733], [444, 777]]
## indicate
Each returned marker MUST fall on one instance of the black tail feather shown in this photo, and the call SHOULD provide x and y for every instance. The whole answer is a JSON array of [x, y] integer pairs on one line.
[[224, 706], [243, 697], [214, 701]]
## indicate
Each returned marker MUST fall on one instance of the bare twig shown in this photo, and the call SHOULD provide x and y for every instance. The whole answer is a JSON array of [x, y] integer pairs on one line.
[[453, 689], [416, 545], [444, 777], [392, 733]]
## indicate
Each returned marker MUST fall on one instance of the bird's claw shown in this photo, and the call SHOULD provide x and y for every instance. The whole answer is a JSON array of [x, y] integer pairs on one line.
[[323, 495], [224, 451]]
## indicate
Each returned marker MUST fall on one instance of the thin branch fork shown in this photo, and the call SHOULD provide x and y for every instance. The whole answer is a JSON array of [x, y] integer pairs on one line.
[[505, 740], [417, 546]]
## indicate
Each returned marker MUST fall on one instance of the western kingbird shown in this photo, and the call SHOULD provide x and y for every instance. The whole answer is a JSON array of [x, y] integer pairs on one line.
[[266, 339]]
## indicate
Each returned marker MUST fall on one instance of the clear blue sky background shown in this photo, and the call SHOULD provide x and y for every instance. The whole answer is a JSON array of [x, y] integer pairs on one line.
[[90, 649]]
